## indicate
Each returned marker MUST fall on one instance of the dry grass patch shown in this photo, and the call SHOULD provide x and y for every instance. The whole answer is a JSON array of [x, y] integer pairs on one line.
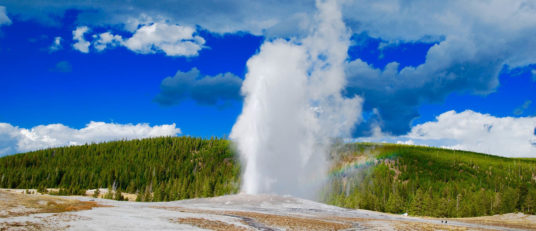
[[511, 220], [292, 222], [288, 222], [409, 226], [16, 204], [70, 206], [4, 226], [209, 224]]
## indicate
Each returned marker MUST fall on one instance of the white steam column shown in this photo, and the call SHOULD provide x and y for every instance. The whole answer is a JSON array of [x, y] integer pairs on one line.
[[293, 107]]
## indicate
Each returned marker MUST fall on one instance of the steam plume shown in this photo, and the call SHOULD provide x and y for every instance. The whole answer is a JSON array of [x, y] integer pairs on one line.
[[293, 107]]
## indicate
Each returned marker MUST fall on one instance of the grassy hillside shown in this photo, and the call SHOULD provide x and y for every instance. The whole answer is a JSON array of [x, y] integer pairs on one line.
[[388, 178], [430, 181]]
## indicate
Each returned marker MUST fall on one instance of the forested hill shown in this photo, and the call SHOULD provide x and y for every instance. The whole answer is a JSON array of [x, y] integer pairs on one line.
[[430, 181], [168, 168], [382, 177]]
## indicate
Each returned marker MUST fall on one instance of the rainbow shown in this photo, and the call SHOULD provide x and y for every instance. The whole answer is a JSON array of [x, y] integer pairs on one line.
[[351, 167]]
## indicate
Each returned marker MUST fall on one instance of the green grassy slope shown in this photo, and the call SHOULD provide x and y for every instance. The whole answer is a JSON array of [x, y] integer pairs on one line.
[[388, 178]]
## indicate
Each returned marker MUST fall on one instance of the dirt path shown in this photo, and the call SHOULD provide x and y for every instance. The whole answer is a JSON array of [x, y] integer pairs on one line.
[[235, 212]]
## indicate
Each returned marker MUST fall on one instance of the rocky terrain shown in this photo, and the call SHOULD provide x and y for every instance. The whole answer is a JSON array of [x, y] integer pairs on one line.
[[21, 211]]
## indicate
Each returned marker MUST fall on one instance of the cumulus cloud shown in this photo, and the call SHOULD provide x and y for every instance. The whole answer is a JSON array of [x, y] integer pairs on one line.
[[4, 19], [105, 40], [173, 40], [217, 16], [56, 45], [473, 131], [14, 139], [207, 90], [8, 139], [468, 55], [396, 95], [81, 44]]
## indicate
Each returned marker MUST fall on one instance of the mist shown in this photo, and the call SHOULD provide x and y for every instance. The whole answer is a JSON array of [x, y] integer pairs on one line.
[[293, 108]]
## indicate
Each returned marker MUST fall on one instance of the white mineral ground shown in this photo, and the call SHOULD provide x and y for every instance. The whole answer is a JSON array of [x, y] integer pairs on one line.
[[233, 212]]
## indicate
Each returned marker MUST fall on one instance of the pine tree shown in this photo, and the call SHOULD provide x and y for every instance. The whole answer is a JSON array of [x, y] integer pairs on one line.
[[529, 206], [139, 196], [118, 195], [147, 196], [417, 204], [394, 204], [109, 193], [96, 193]]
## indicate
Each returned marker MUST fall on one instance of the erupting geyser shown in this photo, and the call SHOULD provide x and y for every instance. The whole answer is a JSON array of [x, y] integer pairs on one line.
[[293, 107]]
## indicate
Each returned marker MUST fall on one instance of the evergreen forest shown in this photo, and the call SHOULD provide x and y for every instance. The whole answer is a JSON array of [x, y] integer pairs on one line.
[[157, 169], [429, 181]]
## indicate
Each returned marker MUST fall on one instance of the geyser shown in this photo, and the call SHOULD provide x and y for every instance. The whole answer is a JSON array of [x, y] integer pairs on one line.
[[293, 107]]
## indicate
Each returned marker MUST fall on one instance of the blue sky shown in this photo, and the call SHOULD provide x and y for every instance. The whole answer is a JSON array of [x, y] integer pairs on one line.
[[115, 85], [408, 66]]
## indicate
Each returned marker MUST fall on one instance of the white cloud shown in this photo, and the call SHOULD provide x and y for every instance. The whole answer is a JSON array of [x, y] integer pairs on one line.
[[4, 19], [407, 142], [416, 20], [475, 40], [389, 19], [473, 131], [470, 30], [107, 39], [14, 139], [216, 16], [56, 44], [81, 44], [174, 40]]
